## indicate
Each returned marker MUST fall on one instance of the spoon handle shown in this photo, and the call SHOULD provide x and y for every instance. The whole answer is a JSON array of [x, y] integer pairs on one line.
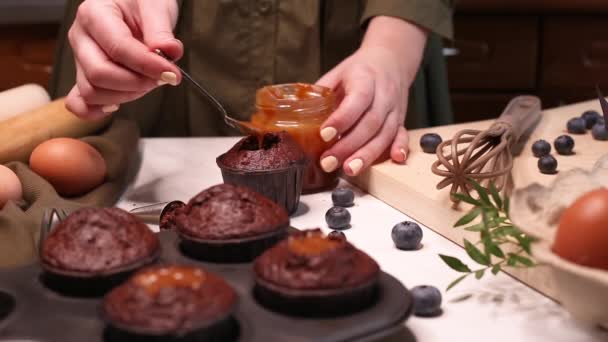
[[229, 120]]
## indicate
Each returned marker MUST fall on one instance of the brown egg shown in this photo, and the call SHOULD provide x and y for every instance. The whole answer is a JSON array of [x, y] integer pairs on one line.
[[72, 166], [10, 186], [582, 235]]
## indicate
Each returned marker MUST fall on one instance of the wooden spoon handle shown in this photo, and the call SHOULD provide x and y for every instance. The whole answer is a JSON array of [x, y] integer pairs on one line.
[[521, 114]]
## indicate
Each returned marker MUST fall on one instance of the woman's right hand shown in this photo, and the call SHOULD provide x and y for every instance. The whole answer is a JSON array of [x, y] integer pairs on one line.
[[113, 43]]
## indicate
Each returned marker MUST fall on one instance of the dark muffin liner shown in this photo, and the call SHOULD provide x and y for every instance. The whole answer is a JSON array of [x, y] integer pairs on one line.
[[316, 303], [224, 329], [232, 250], [282, 186], [83, 284]]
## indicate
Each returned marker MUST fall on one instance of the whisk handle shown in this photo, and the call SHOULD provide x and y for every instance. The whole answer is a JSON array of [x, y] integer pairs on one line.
[[521, 114]]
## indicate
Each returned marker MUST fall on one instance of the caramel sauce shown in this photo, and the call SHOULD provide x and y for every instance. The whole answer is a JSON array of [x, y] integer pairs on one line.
[[313, 244], [300, 109], [172, 276]]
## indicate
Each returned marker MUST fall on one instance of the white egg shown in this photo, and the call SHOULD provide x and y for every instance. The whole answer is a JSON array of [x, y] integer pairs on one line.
[[10, 186]]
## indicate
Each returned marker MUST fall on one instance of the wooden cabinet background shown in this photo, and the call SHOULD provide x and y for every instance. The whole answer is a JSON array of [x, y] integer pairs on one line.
[[26, 54], [555, 49]]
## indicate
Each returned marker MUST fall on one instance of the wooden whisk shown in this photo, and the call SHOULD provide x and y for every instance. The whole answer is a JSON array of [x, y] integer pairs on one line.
[[485, 156]]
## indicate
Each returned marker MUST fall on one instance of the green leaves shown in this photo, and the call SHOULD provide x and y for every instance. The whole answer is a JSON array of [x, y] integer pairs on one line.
[[475, 253], [496, 232], [455, 263]]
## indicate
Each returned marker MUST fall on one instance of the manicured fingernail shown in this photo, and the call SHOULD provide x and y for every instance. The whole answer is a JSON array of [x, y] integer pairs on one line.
[[109, 108], [169, 77], [404, 154], [161, 83], [355, 166], [329, 164], [328, 133]]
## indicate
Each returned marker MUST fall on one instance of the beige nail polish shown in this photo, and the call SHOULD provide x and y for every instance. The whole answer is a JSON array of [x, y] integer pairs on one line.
[[161, 83], [328, 133], [355, 165], [169, 77], [403, 153], [329, 164], [109, 108]]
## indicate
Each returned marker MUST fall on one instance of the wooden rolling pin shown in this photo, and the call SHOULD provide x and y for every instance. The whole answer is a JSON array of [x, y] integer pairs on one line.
[[20, 134]]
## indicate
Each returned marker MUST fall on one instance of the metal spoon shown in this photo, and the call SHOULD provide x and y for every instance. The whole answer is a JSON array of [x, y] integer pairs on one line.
[[230, 121]]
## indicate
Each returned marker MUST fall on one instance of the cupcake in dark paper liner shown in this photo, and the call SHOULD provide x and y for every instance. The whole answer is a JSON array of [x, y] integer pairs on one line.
[[230, 223], [171, 303], [94, 249], [272, 165], [310, 274]]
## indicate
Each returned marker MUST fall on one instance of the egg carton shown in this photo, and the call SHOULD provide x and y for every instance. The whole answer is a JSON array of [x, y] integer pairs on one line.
[[31, 312]]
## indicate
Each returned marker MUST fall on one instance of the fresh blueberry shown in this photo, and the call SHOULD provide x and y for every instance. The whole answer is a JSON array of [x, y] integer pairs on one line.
[[599, 131], [547, 164], [541, 148], [337, 218], [564, 144], [576, 126], [427, 301], [429, 142], [336, 234], [590, 118], [407, 235], [343, 197]]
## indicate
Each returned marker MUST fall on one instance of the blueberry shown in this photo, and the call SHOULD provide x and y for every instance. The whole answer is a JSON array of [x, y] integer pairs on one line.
[[564, 144], [547, 164], [429, 142], [427, 301], [343, 197], [407, 235], [337, 218], [576, 126], [599, 131], [590, 118], [541, 148], [336, 234]]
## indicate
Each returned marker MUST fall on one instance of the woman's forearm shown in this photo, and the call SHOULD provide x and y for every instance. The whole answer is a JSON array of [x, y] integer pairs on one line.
[[404, 38]]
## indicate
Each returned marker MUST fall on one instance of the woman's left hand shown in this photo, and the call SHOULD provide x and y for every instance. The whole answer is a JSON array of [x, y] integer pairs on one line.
[[372, 86]]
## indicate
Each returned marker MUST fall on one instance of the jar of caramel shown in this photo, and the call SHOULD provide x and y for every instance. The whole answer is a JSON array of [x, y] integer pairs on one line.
[[300, 109]]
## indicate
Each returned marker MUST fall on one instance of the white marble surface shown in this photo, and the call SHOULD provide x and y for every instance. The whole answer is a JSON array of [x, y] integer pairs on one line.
[[501, 308]]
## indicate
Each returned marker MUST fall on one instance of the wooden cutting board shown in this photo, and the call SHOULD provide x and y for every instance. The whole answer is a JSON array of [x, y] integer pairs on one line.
[[410, 188]]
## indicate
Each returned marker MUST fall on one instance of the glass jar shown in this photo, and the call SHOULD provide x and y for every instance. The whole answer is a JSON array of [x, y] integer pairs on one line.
[[300, 109]]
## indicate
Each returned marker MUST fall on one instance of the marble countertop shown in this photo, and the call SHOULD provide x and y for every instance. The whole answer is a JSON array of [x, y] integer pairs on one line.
[[500, 308]]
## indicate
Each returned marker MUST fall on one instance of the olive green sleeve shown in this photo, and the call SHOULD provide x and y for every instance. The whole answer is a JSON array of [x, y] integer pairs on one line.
[[434, 15]]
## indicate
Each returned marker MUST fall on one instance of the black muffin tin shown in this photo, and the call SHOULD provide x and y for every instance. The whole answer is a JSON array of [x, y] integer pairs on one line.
[[30, 311]]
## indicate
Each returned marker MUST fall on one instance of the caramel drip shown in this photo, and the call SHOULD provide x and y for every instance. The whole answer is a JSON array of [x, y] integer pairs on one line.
[[313, 244], [173, 276]]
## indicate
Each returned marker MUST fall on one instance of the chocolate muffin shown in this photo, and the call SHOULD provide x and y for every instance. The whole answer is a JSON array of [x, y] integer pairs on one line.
[[94, 249], [313, 275], [272, 165], [171, 303], [230, 223]]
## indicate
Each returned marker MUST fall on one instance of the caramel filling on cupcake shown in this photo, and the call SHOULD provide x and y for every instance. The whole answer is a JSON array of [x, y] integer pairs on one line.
[[172, 276], [312, 244]]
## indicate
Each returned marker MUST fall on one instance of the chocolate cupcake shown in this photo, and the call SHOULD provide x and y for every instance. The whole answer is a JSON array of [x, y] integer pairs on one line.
[[230, 223], [312, 275], [94, 249], [171, 303], [272, 165]]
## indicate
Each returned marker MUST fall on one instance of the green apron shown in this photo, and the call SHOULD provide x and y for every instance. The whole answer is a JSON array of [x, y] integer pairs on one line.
[[234, 47]]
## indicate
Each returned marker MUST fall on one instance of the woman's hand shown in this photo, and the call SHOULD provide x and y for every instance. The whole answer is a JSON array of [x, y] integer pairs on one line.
[[113, 43], [373, 86]]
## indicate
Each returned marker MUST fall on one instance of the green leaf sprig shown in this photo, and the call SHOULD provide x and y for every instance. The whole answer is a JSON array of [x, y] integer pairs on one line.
[[501, 243]]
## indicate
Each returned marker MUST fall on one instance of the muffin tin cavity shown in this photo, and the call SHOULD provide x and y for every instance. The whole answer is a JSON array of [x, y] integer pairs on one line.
[[7, 305], [44, 316]]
